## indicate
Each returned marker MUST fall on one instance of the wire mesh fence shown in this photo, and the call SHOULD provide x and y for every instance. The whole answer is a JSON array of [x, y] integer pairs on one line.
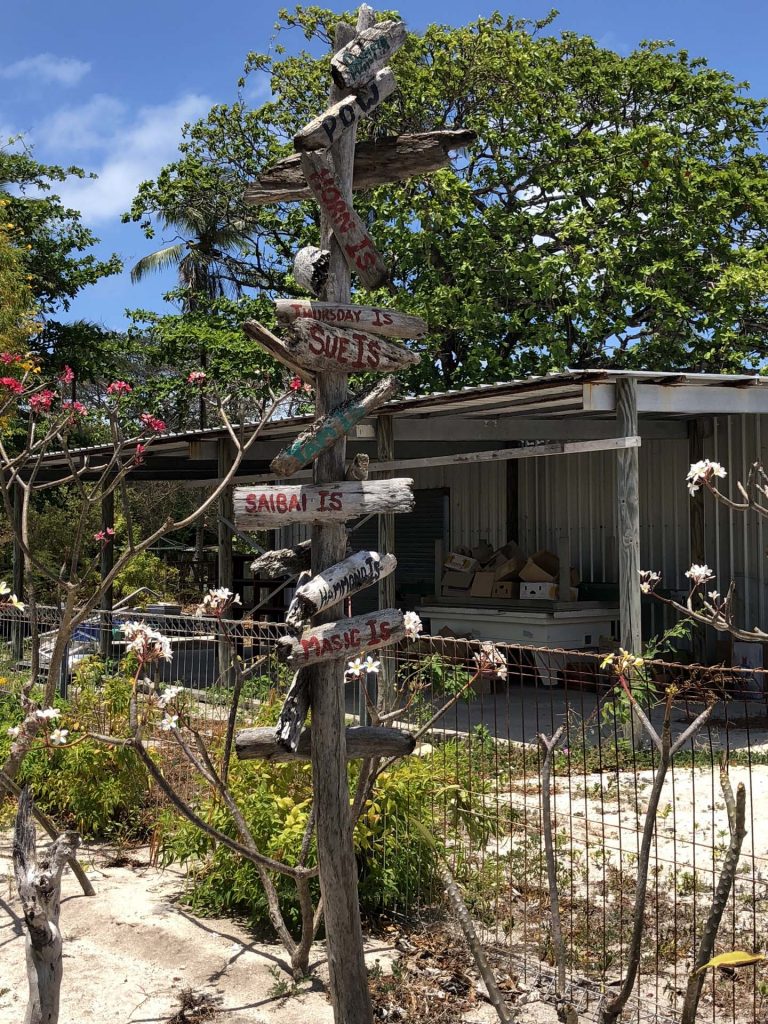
[[482, 780]]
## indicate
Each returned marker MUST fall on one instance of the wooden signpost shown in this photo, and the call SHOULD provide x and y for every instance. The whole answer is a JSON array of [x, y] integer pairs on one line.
[[334, 338], [319, 346], [315, 346], [342, 580], [366, 53], [375, 319], [310, 268], [324, 433], [272, 506], [355, 242], [344, 639], [381, 162], [328, 128], [362, 741]]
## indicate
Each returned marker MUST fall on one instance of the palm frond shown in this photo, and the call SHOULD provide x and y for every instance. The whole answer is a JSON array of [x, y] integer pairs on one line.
[[154, 262]]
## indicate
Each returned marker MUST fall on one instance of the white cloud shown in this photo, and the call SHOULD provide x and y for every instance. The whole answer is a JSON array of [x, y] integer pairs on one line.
[[133, 148], [47, 67], [91, 125]]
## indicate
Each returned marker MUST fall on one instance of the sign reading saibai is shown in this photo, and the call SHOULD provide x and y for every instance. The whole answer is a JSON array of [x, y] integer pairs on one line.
[[270, 506]]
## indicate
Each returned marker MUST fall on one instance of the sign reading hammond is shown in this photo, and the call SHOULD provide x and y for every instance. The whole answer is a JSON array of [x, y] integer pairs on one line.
[[270, 506]]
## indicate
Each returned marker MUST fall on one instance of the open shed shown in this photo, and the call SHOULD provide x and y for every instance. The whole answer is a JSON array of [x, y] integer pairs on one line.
[[589, 465]]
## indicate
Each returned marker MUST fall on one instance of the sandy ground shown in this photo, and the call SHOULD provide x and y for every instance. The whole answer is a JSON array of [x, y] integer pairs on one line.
[[130, 951]]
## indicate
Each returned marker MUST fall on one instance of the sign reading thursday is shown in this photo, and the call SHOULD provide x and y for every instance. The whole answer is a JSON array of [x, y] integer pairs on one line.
[[270, 506]]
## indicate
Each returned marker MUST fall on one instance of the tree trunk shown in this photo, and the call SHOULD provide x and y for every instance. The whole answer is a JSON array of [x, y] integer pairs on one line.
[[39, 889]]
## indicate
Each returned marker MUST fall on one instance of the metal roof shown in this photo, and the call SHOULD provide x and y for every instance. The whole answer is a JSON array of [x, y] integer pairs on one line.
[[572, 393]]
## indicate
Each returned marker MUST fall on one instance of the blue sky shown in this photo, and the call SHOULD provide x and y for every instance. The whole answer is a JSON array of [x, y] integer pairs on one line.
[[108, 86]]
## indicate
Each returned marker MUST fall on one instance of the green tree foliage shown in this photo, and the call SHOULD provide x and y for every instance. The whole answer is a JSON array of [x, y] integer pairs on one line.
[[55, 246], [613, 211]]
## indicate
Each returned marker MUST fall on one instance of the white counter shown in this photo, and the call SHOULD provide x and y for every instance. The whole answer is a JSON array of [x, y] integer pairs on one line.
[[568, 625]]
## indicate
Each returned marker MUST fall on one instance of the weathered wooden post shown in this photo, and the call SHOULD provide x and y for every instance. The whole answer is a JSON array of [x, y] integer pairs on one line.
[[327, 340], [38, 883]]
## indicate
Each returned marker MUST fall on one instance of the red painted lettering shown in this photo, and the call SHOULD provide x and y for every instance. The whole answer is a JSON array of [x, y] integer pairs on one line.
[[293, 504], [317, 338], [250, 502], [374, 354], [282, 502], [264, 503], [322, 495], [373, 637], [335, 503], [386, 630]]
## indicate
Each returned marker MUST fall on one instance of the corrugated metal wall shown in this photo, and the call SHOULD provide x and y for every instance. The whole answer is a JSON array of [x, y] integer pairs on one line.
[[576, 495]]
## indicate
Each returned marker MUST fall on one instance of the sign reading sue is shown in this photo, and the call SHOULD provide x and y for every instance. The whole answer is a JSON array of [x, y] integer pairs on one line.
[[270, 506]]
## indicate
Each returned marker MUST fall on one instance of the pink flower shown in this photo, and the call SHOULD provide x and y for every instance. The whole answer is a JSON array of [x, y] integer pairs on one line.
[[9, 358], [77, 408], [295, 384], [12, 384], [105, 535], [197, 377], [138, 457], [42, 401], [119, 387], [308, 389], [67, 375], [152, 422]]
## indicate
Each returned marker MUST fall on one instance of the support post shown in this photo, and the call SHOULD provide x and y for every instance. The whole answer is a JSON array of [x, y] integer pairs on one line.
[[338, 869], [696, 521], [385, 452], [17, 622], [225, 649], [107, 561], [628, 486]]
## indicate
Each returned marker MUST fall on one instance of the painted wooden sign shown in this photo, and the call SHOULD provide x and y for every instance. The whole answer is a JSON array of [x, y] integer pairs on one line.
[[344, 639], [324, 433], [370, 50], [344, 579], [362, 741], [310, 268], [354, 241], [321, 347], [328, 128], [377, 320], [275, 347], [380, 162], [271, 506]]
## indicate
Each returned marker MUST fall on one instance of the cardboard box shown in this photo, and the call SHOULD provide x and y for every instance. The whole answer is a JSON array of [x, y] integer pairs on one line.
[[463, 580], [483, 552], [544, 567], [509, 552], [460, 563], [482, 584], [506, 591], [545, 592]]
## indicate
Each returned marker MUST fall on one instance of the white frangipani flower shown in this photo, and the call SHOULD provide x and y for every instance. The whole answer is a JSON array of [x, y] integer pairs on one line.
[[413, 625], [217, 601], [703, 471], [146, 643], [5, 592], [59, 737], [13, 731], [699, 574], [168, 695], [649, 580], [169, 722], [354, 668], [369, 665], [48, 713]]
